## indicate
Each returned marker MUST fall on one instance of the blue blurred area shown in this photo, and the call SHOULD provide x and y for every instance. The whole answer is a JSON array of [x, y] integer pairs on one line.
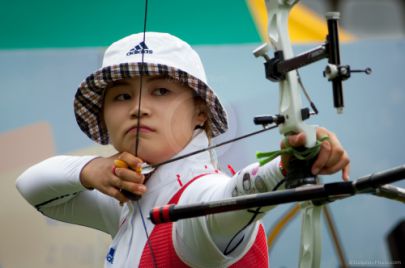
[[39, 85]]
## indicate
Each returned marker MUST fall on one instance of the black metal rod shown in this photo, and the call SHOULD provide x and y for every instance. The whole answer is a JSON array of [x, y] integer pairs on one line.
[[303, 59], [377, 179], [320, 193], [334, 58]]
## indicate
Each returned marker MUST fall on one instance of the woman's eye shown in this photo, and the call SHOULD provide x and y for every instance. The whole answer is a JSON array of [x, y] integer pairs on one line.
[[122, 97], [160, 91]]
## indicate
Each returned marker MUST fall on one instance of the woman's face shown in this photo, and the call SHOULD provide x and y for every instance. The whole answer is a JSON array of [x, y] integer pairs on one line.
[[168, 116]]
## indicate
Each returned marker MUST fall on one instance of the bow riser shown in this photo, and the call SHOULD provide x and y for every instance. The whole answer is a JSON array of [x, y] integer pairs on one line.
[[290, 104], [290, 107]]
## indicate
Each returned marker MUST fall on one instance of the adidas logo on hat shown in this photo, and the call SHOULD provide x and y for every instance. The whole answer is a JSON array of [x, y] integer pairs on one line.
[[141, 48]]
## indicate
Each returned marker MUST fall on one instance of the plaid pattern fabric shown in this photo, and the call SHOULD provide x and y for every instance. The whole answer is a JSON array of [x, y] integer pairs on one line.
[[89, 97]]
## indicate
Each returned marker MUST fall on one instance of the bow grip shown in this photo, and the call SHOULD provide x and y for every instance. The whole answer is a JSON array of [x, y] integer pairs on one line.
[[299, 172]]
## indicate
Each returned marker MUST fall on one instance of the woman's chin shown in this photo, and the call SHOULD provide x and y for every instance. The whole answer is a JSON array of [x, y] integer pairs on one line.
[[154, 159]]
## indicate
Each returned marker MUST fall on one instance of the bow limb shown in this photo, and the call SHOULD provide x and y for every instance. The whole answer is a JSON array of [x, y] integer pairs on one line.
[[290, 98]]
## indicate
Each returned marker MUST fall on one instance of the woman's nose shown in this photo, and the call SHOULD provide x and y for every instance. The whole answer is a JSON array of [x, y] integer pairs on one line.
[[141, 102]]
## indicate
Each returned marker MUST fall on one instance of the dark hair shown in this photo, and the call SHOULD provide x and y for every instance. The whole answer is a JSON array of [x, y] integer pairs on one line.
[[198, 101]]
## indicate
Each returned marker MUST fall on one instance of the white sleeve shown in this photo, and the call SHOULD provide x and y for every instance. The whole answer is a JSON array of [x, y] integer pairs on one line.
[[53, 187], [223, 237]]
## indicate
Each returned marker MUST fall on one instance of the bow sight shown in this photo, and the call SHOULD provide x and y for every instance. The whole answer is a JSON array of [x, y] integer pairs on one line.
[[277, 67]]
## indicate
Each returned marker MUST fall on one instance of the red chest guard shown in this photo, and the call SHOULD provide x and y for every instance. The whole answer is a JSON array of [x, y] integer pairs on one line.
[[165, 255]]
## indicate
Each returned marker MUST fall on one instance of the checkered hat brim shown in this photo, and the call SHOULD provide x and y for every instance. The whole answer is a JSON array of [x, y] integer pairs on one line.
[[88, 101]]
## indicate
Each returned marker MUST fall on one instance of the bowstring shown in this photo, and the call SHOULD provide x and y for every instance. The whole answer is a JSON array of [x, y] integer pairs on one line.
[[141, 70], [137, 139]]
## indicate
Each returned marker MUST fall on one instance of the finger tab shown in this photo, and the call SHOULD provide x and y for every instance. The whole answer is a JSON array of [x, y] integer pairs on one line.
[[120, 164]]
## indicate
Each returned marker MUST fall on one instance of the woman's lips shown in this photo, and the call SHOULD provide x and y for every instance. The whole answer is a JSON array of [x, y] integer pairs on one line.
[[142, 129]]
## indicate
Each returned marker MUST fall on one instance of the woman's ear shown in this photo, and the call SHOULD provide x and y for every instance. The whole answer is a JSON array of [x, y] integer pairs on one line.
[[200, 119], [201, 114]]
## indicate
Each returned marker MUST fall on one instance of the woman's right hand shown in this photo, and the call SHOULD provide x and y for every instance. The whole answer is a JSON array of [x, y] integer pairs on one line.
[[102, 174]]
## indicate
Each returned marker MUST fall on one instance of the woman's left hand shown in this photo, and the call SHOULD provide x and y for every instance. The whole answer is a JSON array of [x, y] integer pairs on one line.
[[331, 158]]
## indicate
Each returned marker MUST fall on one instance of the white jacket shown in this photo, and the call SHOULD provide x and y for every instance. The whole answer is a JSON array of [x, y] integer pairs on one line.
[[53, 187]]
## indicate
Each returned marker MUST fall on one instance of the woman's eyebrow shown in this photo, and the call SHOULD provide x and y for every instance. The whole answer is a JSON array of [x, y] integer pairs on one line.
[[160, 77], [125, 82], [120, 83]]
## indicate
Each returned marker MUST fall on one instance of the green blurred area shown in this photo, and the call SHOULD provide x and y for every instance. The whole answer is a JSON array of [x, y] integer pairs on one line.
[[93, 23]]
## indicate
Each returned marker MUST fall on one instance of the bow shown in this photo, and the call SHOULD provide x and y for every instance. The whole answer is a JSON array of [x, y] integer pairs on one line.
[[290, 108], [303, 186]]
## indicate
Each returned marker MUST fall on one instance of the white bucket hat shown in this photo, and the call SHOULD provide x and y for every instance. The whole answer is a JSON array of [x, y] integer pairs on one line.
[[164, 54]]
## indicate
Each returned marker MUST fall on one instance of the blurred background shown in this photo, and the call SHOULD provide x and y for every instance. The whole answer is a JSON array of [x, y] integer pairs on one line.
[[48, 47], [366, 18]]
